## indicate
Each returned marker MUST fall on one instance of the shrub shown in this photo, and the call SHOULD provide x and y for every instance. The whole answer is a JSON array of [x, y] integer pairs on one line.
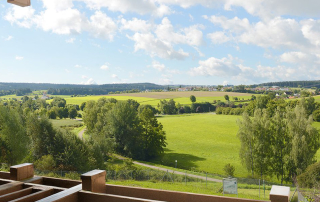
[[316, 115], [311, 177], [45, 163], [229, 169], [187, 109], [72, 176]]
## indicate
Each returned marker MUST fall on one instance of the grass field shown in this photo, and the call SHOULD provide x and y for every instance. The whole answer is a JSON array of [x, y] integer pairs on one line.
[[203, 142], [153, 98], [65, 122]]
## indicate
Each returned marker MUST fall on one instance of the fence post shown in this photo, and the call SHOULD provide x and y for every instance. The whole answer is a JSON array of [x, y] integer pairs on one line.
[[207, 178], [186, 177], [264, 190], [259, 188]]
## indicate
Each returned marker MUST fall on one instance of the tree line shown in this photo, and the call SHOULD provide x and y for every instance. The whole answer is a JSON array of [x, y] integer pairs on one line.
[[122, 127], [278, 140], [26, 137], [292, 84]]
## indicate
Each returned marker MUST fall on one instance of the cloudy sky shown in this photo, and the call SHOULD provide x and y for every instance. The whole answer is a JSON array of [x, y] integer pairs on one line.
[[205, 42]]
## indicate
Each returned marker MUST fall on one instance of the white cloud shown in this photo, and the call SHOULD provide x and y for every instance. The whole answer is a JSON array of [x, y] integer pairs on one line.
[[189, 3], [135, 25], [90, 82], [191, 18], [277, 33], [199, 52], [165, 81], [271, 8], [224, 67], [293, 57], [71, 40], [306, 67], [61, 18], [9, 38], [218, 37], [158, 66], [235, 24], [311, 31], [84, 77], [62, 21], [67, 71], [190, 35], [22, 16], [77, 66], [156, 47], [104, 67], [141, 7], [19, 58], [225, 83], [114, 76], [102, 26]]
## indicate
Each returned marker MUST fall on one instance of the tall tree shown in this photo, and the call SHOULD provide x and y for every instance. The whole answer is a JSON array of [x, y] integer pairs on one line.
[[246, 136], [279, 140], [13, 136], [226, 97], [193, 98], [153, 136], [305, 139], [124, 127]]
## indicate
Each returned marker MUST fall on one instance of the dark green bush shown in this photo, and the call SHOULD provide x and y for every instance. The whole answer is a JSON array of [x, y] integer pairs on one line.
[[311, 177]]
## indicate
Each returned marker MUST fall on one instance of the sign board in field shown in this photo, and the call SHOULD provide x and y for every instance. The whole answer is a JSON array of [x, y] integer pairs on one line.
[[230, 186]]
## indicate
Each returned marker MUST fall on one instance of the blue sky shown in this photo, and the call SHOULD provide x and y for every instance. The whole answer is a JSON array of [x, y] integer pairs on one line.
[[195, 42]]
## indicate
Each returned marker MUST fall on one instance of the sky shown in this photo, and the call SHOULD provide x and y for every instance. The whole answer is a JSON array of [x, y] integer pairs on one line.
[[191, 42]]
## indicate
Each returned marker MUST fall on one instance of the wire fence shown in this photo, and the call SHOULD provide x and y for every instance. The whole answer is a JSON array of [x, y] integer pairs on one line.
[[168, 180], [188, 181], [308, 195]]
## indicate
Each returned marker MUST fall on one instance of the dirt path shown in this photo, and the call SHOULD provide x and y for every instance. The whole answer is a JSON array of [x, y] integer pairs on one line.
[[175, 172], [80, 134]]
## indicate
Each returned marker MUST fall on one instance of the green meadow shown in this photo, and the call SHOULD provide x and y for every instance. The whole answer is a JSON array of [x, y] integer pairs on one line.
[[203, 142]]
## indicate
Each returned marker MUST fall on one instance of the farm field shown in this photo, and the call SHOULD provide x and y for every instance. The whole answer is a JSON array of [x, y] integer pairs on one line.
[[205, 142], [153, 98]]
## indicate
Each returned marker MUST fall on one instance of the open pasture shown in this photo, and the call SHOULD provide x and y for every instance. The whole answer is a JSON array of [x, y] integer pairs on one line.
[[204, 142]]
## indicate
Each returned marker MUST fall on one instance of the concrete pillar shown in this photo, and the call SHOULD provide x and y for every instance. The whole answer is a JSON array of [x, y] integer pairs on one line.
[[279, 194], [21, 172], [94, 181]]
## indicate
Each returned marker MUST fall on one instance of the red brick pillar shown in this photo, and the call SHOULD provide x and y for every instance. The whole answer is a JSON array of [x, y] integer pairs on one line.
[[94, 181]]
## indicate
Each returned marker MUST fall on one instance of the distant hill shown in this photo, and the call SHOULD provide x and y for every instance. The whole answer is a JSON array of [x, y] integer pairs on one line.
[[71, 89], [292, 84]]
